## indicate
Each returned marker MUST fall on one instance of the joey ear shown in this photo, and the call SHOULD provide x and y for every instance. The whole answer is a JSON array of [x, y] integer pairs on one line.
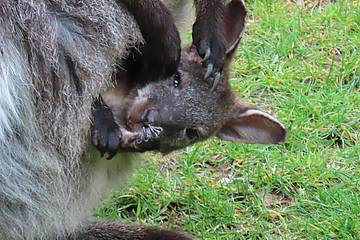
[[234, 19], [251, 125]]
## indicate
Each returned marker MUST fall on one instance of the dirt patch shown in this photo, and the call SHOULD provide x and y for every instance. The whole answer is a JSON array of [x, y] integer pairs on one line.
[[274, 199], [309, 4]]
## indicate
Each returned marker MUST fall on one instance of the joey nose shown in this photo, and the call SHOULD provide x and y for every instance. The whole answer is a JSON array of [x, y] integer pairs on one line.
[[150, 116]]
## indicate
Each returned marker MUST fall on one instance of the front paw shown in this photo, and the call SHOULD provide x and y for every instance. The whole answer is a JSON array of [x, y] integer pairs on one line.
[[106, 136], [145, 139], [149, 133], [210, 43]]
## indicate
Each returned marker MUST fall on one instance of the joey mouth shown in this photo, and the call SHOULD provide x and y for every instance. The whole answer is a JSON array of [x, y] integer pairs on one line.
[[137, 120], [142, 120], [157, 133]]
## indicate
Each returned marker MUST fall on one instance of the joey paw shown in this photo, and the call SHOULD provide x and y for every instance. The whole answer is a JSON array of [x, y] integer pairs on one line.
[[149, 133], [107, 138], [210, 45]]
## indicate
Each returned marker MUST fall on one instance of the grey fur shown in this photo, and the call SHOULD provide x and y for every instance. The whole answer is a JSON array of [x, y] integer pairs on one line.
[[55, 57]]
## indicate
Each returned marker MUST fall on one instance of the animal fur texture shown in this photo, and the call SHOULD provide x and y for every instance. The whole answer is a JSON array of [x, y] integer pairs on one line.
[[55, 57]]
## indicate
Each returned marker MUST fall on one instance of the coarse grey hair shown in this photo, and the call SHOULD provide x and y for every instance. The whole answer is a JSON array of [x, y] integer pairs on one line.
[[55, 57]]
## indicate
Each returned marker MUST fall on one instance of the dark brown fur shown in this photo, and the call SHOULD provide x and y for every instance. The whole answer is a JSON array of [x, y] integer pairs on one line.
[[160, 55], [208, 31]]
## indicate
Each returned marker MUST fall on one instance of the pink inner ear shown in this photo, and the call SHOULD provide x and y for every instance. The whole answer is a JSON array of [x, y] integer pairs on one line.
[[235, 14], [253, 126]]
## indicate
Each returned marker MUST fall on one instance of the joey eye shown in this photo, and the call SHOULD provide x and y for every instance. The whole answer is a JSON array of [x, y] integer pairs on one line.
[[192, 133], [177, 80]]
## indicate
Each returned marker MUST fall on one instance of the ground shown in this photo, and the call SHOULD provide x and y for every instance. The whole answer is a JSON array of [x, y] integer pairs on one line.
[[299, 60]]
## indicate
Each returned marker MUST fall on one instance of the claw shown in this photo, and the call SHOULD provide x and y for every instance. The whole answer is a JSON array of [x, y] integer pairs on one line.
[[139, 140], [152, 132], [216, 81], [149, 133], [145, 136], [207, 55], [155, 131], [157, 134], [209, 71]]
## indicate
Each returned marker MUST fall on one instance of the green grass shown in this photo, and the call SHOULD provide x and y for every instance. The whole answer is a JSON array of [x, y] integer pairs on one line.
[[303, 63]]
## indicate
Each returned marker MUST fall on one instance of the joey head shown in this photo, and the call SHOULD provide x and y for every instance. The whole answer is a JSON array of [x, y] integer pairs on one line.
[[159, 55], [181, 109], [158, 59]]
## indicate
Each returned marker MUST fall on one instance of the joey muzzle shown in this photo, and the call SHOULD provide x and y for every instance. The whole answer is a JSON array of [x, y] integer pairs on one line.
[[150, 116]]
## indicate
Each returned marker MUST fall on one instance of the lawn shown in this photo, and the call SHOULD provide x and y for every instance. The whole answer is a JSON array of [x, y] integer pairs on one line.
[[301, 61]]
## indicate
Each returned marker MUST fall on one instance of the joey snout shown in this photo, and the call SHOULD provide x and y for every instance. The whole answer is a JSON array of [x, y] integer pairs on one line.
[[135, 115], [140, 116], [146, 112], [150, 116]]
